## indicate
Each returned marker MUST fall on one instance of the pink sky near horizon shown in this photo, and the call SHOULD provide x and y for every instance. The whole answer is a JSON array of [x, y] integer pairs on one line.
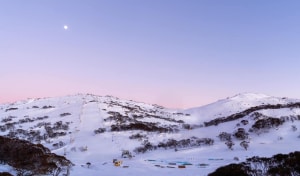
[[177, 54], [165, 98]]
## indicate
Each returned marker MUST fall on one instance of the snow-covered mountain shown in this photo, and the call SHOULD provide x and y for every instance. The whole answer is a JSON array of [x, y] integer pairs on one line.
[[235, 104], [154, 140]]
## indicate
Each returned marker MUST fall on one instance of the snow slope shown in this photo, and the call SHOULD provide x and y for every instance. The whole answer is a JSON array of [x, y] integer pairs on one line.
[[67, 126], [231, 105]]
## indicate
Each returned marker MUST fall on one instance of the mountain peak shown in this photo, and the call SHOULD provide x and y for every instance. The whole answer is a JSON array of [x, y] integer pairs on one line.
[[235, 104], [249, 96]]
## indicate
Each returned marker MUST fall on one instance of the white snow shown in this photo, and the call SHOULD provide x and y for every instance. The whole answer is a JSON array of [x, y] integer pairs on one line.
[[89, 111], [232, 105]]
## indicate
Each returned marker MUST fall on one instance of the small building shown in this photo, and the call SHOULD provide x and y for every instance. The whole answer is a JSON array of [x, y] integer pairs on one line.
[[118, 163]]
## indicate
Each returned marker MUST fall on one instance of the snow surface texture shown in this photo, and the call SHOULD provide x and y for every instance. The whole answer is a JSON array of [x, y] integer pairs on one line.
[[67, 125]]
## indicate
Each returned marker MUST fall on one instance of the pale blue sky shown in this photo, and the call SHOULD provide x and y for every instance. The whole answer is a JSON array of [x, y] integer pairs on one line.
[[170, 52]]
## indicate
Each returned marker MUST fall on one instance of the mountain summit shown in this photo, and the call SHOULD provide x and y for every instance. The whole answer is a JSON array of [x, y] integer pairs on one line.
[[235, 104]]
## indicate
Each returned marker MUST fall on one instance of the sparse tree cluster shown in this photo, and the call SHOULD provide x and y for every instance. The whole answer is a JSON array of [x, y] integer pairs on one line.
[[146, 146], [130, 120], [10, 123], [47, 107], [244, 144], [99, 130], [223, 136], [174, 144], [241, 134], [11, 109], [229, 144], [58, 129], [244, 122], [267, 123], [251, 110], [138, 136], [59, 144], [7, 119], [65, 114], [144, 126]]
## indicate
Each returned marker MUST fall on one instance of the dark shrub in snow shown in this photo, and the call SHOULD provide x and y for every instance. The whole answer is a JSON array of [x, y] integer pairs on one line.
[[31, 159], [280, 164]]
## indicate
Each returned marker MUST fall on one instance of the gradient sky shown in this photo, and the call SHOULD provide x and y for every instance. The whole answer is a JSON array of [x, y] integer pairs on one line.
[[174, 53]]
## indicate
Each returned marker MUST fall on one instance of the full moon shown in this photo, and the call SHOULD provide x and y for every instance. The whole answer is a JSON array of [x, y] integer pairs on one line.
[[66, 27]]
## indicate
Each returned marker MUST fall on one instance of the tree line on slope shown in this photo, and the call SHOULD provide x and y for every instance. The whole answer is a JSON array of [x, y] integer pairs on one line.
[[249, 111], [174, 144]]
